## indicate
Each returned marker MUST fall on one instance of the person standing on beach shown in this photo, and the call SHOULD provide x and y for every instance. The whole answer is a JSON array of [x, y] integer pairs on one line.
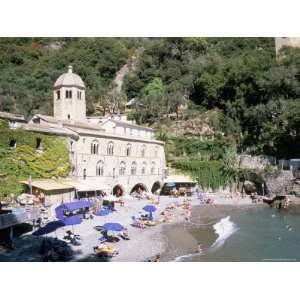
[[199, 250], [188, 215]]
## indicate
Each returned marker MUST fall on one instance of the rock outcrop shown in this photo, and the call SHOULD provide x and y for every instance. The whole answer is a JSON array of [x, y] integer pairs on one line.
[[279, 183]]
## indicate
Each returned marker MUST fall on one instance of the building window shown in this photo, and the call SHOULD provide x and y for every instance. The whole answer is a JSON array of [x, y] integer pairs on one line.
[[94, 147], [128, 150], [69, 117], [122, 169], [58, 95], [84, 174], [133, 168], [144, 167], [79, 95], [68, 94], [110, 148], [100, 168], [73, 170], [143, 152], [152, 168]]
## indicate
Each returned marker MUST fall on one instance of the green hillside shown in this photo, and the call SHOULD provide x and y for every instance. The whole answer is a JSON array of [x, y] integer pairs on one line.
[[19, 158], [256, 96]]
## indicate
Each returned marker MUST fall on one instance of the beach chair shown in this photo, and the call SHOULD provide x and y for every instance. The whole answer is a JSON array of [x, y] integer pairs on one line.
[[136, 223], [102, 239]]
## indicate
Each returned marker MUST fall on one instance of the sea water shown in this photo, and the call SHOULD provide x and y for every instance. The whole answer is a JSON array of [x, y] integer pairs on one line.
[[262, 234]]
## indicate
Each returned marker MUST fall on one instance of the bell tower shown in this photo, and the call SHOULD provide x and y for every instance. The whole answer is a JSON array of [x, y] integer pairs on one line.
[[69, 97]]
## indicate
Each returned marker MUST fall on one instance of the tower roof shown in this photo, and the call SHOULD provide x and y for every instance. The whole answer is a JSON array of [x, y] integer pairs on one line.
[[69, 79]]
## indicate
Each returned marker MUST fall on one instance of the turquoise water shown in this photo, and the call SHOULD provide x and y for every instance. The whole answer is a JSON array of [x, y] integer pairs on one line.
[[260, 234]]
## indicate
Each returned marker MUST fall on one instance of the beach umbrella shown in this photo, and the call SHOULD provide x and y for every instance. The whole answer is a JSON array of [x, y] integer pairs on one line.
[[150, 209], [103, 212], [110, 198], [74, 220], [113, 227], [48, 228]]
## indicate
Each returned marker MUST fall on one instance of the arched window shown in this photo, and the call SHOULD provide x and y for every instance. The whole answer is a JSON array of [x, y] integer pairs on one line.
[[100, 168], [58, 95], [143, 151], [133, 168], [95, 147], [128, 150], [144, 167], [122, 168], [79, 95], [152, 168], [84, 174], [110, 148]]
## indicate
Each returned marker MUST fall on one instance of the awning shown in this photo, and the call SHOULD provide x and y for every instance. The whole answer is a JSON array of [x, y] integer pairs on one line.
[[48, 185], [84, 186], [71, 206]]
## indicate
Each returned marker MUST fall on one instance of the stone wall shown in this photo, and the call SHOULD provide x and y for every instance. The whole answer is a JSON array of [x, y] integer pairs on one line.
[[255, 162]]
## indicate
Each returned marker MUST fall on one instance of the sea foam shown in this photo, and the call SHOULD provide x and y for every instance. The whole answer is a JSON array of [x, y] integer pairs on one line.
[[223, 229]]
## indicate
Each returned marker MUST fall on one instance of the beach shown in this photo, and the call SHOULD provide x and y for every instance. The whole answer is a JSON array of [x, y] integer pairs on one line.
[[169, 240]]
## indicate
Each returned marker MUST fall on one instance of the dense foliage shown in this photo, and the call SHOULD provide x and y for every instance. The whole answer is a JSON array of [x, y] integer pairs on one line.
[[19, 158], [209, 174], [256, 95], [30, 66]]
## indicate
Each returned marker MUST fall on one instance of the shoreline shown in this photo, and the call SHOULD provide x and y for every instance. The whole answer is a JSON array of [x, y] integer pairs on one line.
[[143, 243]]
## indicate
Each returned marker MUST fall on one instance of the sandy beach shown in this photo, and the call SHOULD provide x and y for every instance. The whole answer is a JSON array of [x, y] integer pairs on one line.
[[144, 243]]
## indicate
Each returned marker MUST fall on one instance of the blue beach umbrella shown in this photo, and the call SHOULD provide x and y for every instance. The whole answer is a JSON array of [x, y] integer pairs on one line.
[[103, 212], [50, 227], [74, 220], [113, 227], [150, 209]]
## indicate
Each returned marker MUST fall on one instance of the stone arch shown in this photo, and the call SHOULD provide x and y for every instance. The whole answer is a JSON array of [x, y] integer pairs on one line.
[[118, 190], [156, 186], [137, 186]]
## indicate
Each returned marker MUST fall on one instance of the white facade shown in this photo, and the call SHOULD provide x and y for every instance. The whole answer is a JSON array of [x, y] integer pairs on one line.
[[69, 97], [104, 152]]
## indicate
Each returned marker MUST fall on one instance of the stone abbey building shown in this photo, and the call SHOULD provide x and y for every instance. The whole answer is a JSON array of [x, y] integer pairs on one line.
[[107, 153]]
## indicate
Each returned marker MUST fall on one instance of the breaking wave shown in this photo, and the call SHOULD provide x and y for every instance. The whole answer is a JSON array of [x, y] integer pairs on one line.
[[223, 229]]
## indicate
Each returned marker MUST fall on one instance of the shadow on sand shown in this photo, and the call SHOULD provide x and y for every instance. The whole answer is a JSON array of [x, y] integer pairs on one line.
[[30, 248]]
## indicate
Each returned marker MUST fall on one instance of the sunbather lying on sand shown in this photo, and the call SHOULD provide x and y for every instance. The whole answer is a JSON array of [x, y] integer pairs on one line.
[[125, 235], [105, 250]]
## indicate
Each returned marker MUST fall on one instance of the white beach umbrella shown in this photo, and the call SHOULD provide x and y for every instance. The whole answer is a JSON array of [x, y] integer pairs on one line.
[[110, 198]]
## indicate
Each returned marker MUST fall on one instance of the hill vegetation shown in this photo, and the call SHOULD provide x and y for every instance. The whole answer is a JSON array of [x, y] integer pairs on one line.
[[246, 96], [19, 158]]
